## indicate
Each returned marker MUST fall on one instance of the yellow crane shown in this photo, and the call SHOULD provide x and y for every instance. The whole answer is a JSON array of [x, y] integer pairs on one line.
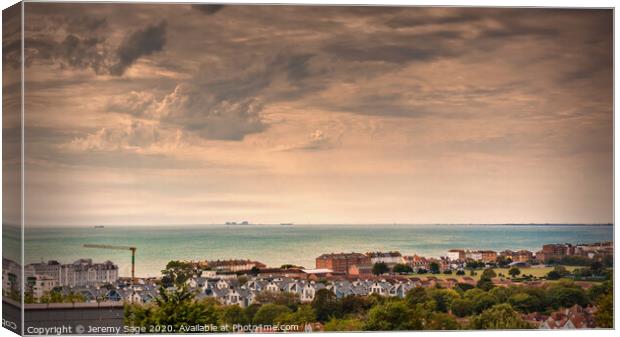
[[133, 256]]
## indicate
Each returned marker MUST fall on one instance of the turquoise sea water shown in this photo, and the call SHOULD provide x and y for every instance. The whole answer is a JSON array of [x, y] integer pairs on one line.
[[275, 245]]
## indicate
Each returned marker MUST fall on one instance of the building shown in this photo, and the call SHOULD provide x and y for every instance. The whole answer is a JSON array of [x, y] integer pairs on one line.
[[416, 262], [84, 272], [341, 262], [11, 276], [390, 258], [50, 268], [522, 256], [475, 255], [360, 270], [488, 255], [40, 285], [575, 317], [555, 250], [456, 254]]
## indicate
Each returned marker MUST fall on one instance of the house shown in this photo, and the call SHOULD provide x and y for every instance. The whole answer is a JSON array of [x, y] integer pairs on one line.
[[416, 262], [314, 327], [309, 291], [400, 289], [575, 317], [380, 288]]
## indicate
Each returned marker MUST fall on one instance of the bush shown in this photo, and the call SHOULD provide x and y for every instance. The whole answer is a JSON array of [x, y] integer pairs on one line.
[[499, 317], [268, 312], [394, 315], [350, 324]]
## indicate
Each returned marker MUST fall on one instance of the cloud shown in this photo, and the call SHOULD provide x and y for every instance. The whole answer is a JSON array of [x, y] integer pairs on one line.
[[196, 111], [137, 44], [208, 9], [138, 137]]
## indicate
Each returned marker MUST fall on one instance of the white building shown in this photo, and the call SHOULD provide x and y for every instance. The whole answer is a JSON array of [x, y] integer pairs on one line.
[[84, 272], [473, 255], [387, 258], [455, 254], [40, 285]]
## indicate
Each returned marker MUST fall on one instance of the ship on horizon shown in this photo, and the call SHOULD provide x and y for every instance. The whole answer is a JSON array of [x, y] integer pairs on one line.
[[233, 223]]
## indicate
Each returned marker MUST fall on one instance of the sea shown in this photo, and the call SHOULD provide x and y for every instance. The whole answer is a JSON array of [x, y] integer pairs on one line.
[[275, 245]]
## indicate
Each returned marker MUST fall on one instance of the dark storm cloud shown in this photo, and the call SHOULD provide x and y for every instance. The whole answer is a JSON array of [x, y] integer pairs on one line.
[[82, 42], [408, 21], [140, 43], [395, 48], [208, 9], [297, 67]]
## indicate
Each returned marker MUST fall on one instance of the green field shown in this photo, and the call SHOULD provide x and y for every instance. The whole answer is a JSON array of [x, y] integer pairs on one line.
[[537, 272]]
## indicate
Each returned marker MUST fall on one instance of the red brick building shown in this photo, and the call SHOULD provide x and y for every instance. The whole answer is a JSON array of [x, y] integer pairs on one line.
[[341, 262]]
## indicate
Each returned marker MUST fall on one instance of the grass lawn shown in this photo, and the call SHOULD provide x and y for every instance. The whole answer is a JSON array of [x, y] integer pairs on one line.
[[537, 272]]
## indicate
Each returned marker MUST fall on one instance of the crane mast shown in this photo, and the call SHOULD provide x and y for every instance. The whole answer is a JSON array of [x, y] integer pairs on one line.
[[133, 256]]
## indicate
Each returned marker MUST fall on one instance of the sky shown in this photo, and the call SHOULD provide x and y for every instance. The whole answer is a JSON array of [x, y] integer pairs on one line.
[[141, 114]]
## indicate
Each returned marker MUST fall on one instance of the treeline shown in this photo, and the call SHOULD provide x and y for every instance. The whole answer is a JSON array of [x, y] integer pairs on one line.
[[463, 307]]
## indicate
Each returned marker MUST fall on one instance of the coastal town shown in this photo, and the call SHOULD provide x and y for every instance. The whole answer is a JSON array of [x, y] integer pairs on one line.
[[244, 283]]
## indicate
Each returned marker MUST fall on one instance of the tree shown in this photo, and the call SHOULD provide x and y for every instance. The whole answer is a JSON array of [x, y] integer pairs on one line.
[[267, 313], [514, 271], [485, 284], [325, 305], [503, 261], [395, 315], [233, 314], [243, 279], [401, 268], [284, 298], [416, 295], [354, 305], [254, 271], [597, 291], [482, 300], [350, 324], [499, 317], [380, 268], [251, 310], [557, 273], [433, 267], [441, 321], [303, 315], [502, 294], [174, 308], [597, 267], [463, 286], [566, 294], [177, 273], [443, 298], [462, 307], [525, 303], [488, 274], [604, 316]]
